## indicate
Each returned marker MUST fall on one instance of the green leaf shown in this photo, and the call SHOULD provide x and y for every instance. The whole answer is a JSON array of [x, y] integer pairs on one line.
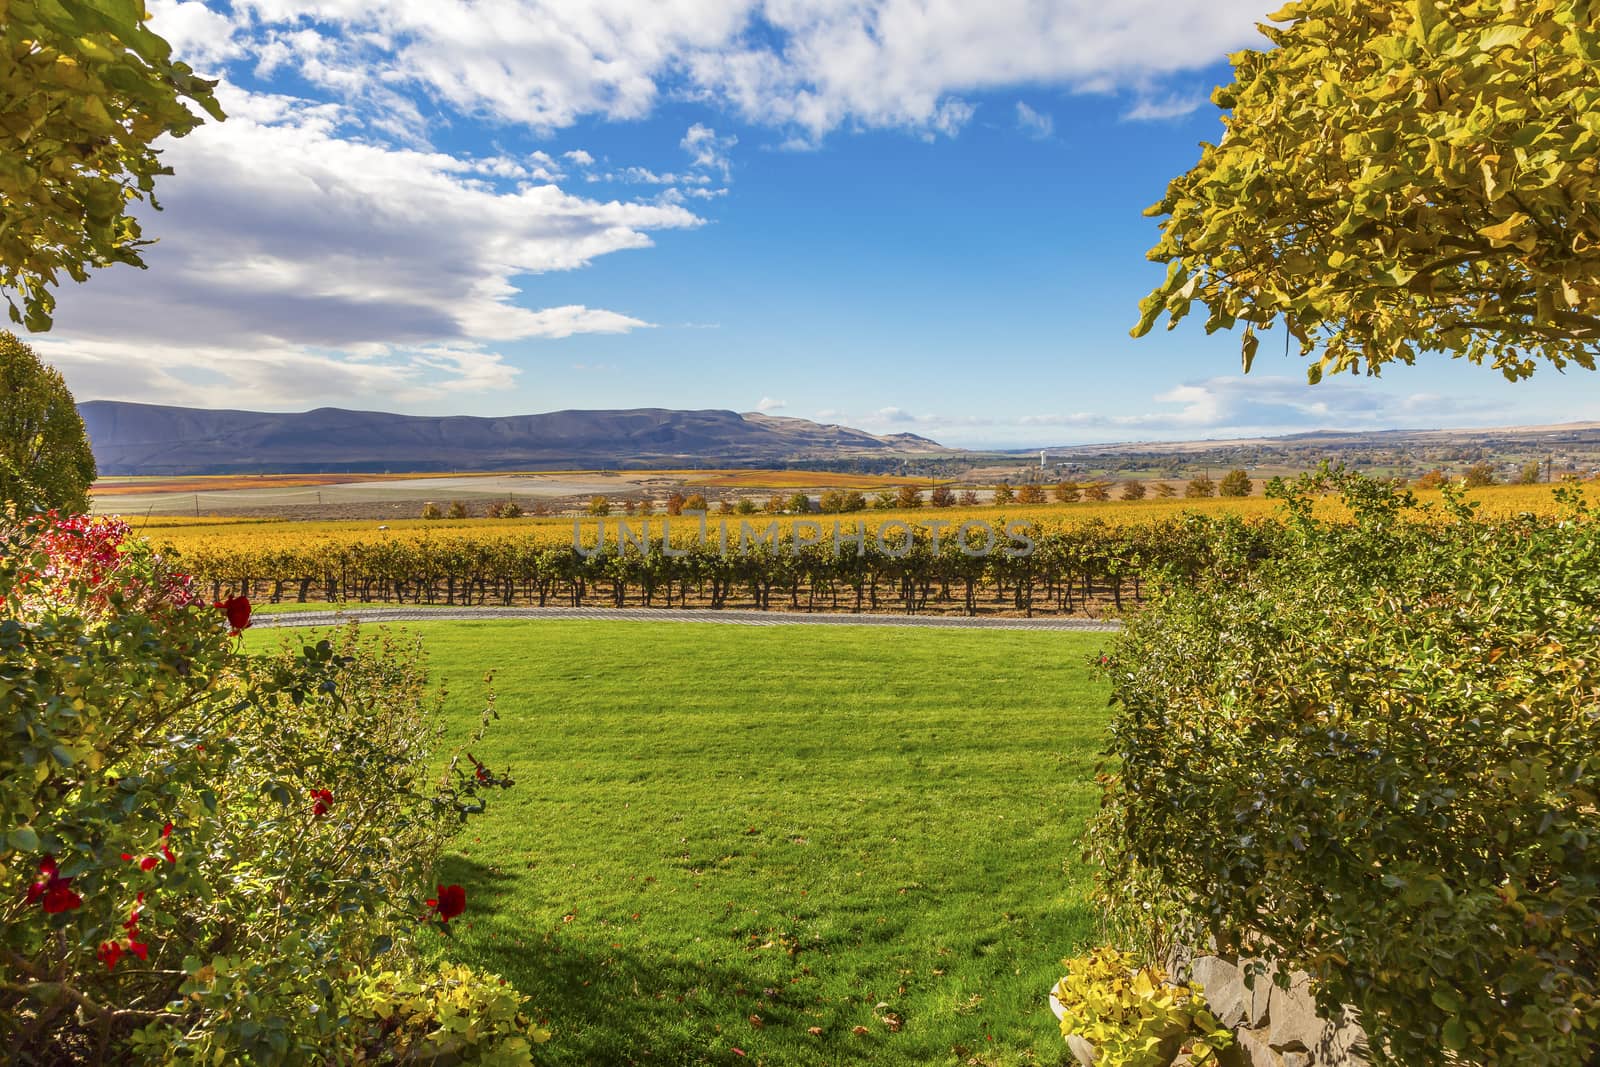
[[23, 839]]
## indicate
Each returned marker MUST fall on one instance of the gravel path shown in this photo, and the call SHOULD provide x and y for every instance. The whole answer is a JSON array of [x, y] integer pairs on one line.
[[333, 616]]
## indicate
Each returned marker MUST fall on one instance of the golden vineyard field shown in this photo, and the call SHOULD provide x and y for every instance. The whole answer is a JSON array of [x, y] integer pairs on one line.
[[225, 535]]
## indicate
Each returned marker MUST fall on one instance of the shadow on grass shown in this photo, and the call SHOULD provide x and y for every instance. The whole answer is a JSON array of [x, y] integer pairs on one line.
[[609, 1003]]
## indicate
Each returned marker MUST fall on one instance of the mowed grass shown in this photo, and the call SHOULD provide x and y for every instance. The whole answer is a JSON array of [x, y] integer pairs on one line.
[[762, 838]]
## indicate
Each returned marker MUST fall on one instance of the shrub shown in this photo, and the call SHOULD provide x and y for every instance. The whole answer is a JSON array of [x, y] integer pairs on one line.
[[695, 502], [599, 505], [1031, 494], [1431, 480], [1098, 492], [457, 510], [799, 504], [1200, 487], [1532, 473], [942, 496], [430, 510], [213, 856], [1235, 483], [1003, 493], [746, 506], [968, 498], [1132, 1017], [504, 509], [1164, 490], [1478, 475], [1371, 758], [885, 500], [1068, 492], [1132, 490]]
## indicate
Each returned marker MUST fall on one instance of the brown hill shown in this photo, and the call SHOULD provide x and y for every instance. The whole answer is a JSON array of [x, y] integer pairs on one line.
[[154, 439]]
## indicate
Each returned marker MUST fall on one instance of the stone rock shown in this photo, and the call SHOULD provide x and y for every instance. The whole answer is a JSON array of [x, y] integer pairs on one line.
[[1294, 1023], [1223, 984], [1297, 1059], [1257, 996], [1250, 1049], [1082, 1050], [1177, 963], [1343, 1042]]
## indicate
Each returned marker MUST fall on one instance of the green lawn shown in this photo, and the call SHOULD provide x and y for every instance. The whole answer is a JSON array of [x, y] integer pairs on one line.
[[723, 836]]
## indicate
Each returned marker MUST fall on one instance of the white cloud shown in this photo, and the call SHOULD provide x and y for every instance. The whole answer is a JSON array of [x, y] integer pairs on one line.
[[288, 245], [578, 157], [1222, 407], [1172, 106], [769, 404], [707, 150], [1035, 124], [810, 66]]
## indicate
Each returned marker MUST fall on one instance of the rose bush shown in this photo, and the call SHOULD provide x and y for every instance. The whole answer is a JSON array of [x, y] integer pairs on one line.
[[210, 856]]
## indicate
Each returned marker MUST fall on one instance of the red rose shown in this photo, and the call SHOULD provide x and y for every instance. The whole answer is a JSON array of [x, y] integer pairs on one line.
[[237, 609], [451, 901], [52, 890]]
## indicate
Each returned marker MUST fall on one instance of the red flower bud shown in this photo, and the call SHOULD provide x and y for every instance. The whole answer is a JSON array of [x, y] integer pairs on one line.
[[451, 901], [237, 609]]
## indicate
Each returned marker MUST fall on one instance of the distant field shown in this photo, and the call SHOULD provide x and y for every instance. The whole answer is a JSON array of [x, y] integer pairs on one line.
[[222, 536], [723, 837], [394, 495]]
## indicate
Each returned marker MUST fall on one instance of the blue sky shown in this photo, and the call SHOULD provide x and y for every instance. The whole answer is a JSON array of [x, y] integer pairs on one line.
[[904, 215]]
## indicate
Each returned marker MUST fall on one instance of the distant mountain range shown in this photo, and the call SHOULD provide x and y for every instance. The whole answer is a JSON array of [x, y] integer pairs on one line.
[[130, 439]]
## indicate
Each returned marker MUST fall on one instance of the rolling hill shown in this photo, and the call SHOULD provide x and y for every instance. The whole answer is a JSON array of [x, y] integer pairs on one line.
[[130, 439]]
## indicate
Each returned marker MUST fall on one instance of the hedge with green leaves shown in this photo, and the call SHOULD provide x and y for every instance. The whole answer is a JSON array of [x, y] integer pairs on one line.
[[1375, 757]]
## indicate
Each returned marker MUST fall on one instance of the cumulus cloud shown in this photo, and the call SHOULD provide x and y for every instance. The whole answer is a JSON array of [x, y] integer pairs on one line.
[[1222, 407], [282, 235], [769, 404], [706, 150], [808, 65]]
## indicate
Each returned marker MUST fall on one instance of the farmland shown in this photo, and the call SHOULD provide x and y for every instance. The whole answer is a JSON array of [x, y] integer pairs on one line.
[[1068, 559], [760, 839]]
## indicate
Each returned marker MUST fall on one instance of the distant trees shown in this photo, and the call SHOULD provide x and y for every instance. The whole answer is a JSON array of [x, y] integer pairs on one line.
[[1479, 474], [1431, 480], [967, 498], [430, 510], [1235, 483], [457, 510], [647, 506], [942, 496], [598, 505], [510, 509], [1003, 493], [1068, 493], [838, 501], [1200, 487], [908, 496], [800, 504], [885, 500], [1531, 474], [1031, 494], [45, 460], [1132, 490], [774, 505], [1096, 492], [675, 504], [1164, 490], [745, 506], [694, 502]]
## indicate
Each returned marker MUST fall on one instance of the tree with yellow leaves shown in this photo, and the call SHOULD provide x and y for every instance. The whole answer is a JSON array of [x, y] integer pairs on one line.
[[1398, 177]]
